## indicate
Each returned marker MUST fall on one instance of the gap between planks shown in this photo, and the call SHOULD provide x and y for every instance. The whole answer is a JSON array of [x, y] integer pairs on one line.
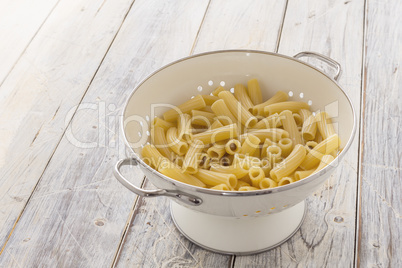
[[69, 123], [360, 148], [278, 40], [127, 227]]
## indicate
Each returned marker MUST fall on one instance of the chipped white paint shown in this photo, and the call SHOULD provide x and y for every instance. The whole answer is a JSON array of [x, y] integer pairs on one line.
[[46, 82], [380, 220]]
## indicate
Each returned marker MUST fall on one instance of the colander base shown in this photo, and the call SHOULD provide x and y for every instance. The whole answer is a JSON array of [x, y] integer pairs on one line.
[[240, 236]]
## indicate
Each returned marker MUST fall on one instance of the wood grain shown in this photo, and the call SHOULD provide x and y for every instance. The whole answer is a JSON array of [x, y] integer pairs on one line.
[[43, 88], [20, 20], [327, 236], [78, 213], [380, 221], [241, 25]]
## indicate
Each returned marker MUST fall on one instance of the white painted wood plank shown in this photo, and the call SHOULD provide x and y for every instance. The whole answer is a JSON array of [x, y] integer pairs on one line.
[[326, 238], [246, 24], [78, 212], [380, 219], [19, 22], [44, 86]]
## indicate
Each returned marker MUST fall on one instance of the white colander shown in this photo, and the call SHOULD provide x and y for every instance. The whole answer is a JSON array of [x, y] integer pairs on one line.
[[211, 218]]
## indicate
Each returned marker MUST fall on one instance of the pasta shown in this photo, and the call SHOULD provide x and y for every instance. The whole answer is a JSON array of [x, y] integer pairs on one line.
[[293, 106], [287, 166], [250, 145], [159, 139], [324, 125], [237, 109], [309, 127], [290, 126], [254, 91], [238, 142], [241, 95], [190, 163], [233, 146], [223, 113], [279, 96], [217, 134], [177, 146], [215, 178], [325, 147], [195, 103]]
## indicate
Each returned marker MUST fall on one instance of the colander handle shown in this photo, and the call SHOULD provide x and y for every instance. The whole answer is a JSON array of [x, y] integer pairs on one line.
[[323, 58], [185, 198]]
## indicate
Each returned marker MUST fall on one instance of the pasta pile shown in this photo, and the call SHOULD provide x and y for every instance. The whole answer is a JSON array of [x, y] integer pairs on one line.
[[237, 142]]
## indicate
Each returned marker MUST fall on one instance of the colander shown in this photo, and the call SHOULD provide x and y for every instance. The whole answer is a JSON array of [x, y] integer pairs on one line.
[[224, 221]]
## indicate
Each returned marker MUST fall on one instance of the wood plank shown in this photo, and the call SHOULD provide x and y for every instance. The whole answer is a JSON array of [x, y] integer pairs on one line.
[[152, 239], [333, 28], [380, 221], [19, 22], [78, 213], [241, 25], [38, 96]]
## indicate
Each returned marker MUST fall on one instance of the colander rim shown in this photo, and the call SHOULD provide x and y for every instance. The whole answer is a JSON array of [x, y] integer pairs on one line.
[[184, 186]]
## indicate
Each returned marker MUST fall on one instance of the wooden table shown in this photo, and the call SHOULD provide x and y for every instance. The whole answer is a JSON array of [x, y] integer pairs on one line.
[[66, 69]]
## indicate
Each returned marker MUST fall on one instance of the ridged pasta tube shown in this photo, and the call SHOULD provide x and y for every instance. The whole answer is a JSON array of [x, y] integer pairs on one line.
[[217, 90], [268, 122], [172, 171], [274, 134], [289, 164], [250, 145], [266, 183], [274, 154], [236, 170], [254, 91], [290, 126], [178, 146], [279, 96], [240, 92], [159, 122], [233, 146], [285, 180], [217, 134], [216, 151], [190, 163], [202, 118], [215, 178], [158, 138], [238, 110], [327, 146], [151, 155], [216, 124], [256, 174], [184, 127], [286, 145], [324, 125], [223, 113], [293, 106], [241, 183], [248, 188], [221, 187], [209, 100], [195, 103]]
